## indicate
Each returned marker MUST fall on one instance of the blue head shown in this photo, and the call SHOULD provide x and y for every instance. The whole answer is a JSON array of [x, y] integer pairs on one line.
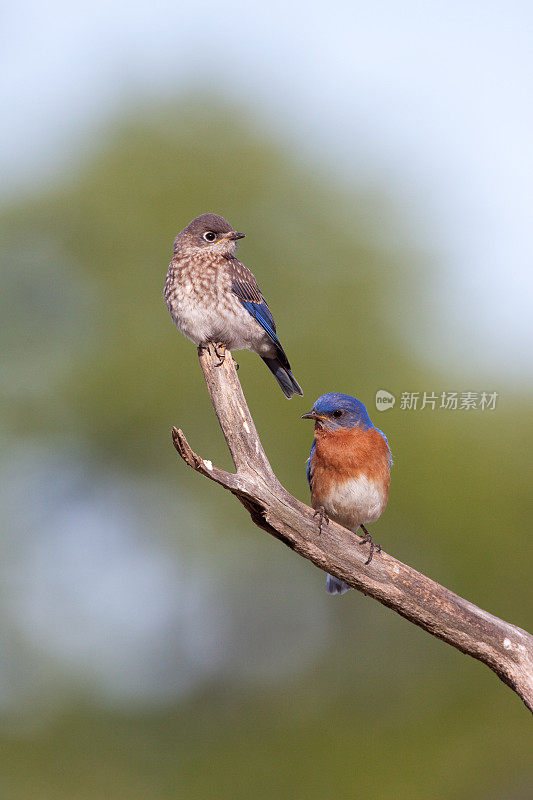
[[334, 411]]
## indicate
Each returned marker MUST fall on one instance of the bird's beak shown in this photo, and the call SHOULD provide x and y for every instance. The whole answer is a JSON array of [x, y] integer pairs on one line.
[[234, 235], [312, 415]]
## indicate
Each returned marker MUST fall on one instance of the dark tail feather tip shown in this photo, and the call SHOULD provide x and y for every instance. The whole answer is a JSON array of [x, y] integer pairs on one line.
[[285, 378]]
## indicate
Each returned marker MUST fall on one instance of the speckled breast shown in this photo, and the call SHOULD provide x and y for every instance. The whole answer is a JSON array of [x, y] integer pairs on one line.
[[197, 296]]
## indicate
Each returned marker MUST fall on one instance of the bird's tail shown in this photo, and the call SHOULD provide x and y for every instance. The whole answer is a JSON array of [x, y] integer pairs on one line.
[[283, 375], [336, 586]]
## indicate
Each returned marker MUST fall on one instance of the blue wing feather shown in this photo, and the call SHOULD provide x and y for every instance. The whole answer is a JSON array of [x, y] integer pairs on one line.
[[388, 446], [309, 469], [261, 313], [245, 287]]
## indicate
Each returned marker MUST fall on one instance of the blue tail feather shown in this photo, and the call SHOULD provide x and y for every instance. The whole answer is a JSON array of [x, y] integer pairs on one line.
[[336, 586]]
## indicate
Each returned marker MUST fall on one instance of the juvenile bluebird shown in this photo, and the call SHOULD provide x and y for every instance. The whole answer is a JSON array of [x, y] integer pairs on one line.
[[212, 297], [348, 469]]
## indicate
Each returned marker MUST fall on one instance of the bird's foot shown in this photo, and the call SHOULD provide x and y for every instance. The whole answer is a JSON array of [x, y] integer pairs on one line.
[[322, 517], [235, 364], [220, 352], [367, 538]]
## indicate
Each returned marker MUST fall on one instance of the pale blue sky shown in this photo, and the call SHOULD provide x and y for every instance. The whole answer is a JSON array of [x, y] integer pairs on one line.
[[434, 100]]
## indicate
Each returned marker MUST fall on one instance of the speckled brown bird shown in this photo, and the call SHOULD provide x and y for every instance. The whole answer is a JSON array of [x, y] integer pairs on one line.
[[213, 297]]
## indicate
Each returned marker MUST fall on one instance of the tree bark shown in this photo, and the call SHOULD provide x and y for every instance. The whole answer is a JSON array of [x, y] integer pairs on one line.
[[504, 648]]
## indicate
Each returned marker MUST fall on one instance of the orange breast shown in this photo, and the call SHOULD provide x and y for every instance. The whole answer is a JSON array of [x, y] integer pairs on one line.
[[344, 455]]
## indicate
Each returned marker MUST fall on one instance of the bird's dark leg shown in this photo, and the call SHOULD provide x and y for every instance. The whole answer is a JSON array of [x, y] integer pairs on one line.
[[368, 538], [220, 352], [322, 517]]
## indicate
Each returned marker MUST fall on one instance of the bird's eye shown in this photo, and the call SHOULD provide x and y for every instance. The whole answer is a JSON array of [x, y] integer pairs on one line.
[[337, 413], [209, 236]]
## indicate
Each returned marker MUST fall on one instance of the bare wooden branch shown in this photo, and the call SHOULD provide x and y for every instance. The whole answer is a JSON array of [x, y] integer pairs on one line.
[[505, 648]]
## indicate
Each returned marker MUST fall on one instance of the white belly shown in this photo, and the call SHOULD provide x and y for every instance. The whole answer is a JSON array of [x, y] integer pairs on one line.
[[356, 502]]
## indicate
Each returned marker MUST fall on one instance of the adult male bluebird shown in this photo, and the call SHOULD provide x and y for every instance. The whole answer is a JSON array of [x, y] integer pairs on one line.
[[348, 469], [212, 297]]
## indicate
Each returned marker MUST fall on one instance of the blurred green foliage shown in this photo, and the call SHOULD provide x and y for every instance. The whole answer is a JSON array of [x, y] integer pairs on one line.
[[383, 710]]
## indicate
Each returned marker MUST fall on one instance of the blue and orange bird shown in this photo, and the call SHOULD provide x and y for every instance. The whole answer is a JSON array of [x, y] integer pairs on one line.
[[348, 469], [213, 297]]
